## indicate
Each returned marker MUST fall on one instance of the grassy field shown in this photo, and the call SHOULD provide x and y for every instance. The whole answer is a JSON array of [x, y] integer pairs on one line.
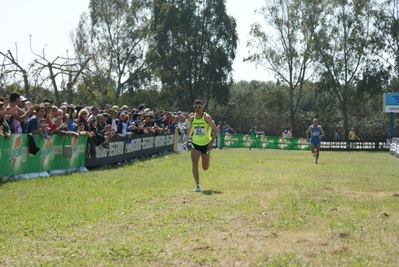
[[256, 208]]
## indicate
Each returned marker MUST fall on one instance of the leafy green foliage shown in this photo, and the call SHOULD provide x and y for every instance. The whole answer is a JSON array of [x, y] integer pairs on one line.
[[343, 45], [115, 35], [193, 49], [286, 47], [386, 37]]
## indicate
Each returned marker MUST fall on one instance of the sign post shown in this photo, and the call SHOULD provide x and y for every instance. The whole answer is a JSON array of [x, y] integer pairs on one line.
[[391, 124]]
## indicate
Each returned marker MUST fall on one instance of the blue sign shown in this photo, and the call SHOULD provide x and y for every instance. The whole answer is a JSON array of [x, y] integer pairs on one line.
[[391, 103]]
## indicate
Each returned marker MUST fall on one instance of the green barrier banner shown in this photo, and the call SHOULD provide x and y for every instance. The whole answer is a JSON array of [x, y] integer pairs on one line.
[[270, 142], [16, 159]]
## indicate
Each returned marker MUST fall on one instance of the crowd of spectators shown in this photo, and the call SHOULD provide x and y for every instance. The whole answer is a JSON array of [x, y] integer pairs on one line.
[[19, 115]]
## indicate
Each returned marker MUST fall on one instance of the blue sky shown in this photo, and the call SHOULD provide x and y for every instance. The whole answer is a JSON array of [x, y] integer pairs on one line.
[[50, 23]]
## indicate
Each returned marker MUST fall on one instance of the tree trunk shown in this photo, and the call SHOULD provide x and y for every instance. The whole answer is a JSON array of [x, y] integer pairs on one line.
[[54, 83], [292, 111], [69, 89], [26, 84], [345, 117]]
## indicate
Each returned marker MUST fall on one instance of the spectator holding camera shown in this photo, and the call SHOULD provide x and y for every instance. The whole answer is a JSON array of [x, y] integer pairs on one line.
[[18, 115]]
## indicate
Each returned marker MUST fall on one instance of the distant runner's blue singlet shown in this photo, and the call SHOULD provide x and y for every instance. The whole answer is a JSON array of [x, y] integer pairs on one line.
[[315, 135]]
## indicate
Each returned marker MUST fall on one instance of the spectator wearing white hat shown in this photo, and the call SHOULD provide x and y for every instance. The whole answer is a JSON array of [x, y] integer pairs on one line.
[[17, 120]]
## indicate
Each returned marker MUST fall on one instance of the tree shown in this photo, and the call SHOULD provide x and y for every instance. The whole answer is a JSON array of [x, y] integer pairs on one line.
[[193, 50], [286, 48], [12, 66], [343, 44], [254, 103], [67, 66], [386, 22], [245, 107], [115, 37], [97, 82]]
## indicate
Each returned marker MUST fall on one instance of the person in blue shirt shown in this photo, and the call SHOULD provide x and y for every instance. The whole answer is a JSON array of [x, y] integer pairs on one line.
[[226, 128], [34, 125], [316, 133]]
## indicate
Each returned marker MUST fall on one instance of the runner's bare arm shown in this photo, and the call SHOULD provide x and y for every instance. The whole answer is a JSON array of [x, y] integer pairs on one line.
[[209, 120]]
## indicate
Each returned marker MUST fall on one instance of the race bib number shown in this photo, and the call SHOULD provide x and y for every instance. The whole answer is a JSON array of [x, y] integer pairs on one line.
[[199, 131], [315, 134]]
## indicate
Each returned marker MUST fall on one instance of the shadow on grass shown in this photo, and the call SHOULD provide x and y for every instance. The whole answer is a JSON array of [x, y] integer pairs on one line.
[[210, 192]]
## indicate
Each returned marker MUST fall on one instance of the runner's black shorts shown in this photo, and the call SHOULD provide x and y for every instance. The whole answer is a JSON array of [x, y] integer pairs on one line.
[[203, 149]]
